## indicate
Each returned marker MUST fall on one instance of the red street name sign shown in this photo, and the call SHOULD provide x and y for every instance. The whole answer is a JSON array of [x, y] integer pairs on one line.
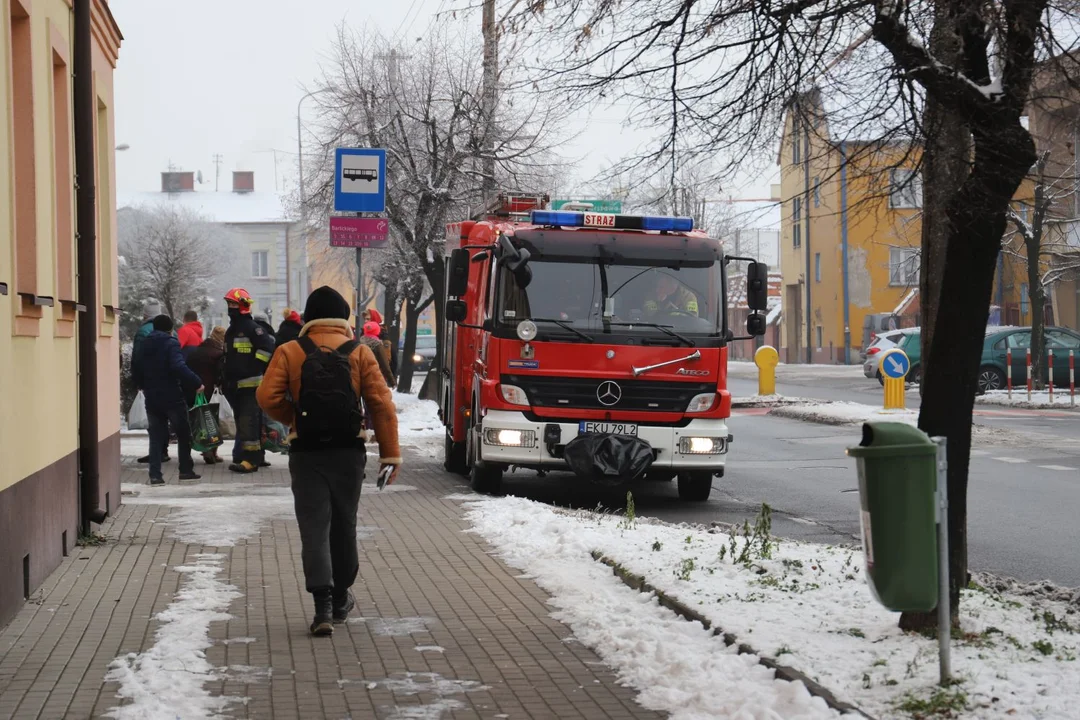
[[359, 232]]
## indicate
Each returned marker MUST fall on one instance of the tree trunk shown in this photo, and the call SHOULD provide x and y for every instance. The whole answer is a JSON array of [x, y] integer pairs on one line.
[[405, 372], [1037, 297], [945, 165], [1003, 154]]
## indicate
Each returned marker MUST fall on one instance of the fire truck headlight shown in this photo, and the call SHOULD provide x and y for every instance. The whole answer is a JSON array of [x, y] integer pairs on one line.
[[701, 403], [702, 445], [510, 438], [417, 359], [526, 330], [514, 395]]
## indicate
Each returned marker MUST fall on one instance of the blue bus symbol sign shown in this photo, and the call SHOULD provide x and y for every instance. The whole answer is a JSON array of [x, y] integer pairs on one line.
[[360, 180]]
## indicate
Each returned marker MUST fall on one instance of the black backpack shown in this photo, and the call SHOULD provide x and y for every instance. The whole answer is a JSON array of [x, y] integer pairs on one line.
[[328, 411]]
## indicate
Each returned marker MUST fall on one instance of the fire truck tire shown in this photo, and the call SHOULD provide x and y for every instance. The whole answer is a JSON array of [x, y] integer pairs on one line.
[[454, 456], [695, 486], [486, 479]]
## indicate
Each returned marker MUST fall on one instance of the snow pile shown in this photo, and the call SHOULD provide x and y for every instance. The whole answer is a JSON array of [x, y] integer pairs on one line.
[[167, 681], [1039, 398], [769, 401], [676, 666], [846, 413], [806, 605], [794, 373], [419, 424]]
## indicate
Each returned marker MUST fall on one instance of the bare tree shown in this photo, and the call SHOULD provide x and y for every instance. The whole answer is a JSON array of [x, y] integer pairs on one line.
[[425, 106], [170, 254], [716, 79], [1039, 238]]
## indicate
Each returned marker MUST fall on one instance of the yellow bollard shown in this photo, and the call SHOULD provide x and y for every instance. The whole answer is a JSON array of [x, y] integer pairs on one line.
[[894, 366], [766, 358]]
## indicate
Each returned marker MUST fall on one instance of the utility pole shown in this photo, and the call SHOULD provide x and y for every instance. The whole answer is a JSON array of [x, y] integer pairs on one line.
[[491, 52], [217, 170], [806, 239]]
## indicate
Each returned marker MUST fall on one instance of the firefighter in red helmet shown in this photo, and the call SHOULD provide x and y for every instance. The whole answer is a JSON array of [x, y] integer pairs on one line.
[[248, 349]]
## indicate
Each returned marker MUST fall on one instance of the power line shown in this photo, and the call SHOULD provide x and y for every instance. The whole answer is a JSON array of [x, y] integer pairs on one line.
[[401, 24]]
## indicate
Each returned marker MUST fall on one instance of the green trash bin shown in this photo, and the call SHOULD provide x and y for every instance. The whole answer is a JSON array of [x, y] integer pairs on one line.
[[897, 466]]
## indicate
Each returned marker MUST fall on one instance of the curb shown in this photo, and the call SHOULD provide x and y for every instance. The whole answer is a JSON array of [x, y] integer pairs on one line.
[[805, 417], [783, 672]]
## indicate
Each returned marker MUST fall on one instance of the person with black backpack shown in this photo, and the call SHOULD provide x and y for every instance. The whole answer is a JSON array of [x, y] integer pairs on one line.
[[315, 386]]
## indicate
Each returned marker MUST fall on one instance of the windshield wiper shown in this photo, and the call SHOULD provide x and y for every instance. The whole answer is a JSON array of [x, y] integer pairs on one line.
[[565, 326], [662, 328]]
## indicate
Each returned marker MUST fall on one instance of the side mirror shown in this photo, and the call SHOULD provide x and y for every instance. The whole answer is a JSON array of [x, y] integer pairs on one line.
[[755, 325], [456, 310], [757, 287], [523, 274], [457, 280]]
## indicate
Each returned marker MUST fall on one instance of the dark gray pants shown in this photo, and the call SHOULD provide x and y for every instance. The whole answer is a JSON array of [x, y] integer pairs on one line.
[[326, 494]]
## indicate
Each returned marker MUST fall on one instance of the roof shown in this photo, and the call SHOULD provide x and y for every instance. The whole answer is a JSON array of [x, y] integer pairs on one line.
[[221, 207], [737, 290]]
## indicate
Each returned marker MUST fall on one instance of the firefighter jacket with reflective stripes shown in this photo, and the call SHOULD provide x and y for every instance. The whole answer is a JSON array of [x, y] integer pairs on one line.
[[248, 349]]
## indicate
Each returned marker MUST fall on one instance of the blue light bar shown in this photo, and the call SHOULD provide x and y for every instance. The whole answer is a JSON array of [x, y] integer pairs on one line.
[[554, 217], [659, 223]]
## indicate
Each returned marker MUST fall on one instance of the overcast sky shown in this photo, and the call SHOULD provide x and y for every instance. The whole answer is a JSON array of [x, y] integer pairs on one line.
[[206, 77]]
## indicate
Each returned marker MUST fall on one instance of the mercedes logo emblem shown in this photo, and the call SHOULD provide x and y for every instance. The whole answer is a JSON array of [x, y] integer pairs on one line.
[[609, 393]]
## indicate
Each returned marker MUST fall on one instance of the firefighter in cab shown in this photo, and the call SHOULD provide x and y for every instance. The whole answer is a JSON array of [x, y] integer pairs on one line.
[[248, 348], [671, 298]]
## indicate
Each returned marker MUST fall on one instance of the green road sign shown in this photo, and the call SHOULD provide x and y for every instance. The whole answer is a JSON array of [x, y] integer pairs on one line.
[[602, 206]]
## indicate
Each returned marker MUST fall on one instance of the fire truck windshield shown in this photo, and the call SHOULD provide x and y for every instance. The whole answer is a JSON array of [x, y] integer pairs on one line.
[[667, 288]]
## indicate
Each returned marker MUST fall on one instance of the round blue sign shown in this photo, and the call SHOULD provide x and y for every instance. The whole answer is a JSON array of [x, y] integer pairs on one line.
[[895, 364]]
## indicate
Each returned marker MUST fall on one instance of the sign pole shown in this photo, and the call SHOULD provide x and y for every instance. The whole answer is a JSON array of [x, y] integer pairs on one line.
[[944, 613], [359, 291]]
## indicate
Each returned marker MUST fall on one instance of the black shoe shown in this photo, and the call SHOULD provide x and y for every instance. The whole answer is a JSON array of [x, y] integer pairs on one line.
[[157, 481], [343, 608], [189, 476], [323, 624], [263, 463], [145, 459]]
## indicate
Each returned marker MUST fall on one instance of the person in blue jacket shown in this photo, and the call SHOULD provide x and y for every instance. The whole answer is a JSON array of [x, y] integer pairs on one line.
[[151, 309], [164, 376]]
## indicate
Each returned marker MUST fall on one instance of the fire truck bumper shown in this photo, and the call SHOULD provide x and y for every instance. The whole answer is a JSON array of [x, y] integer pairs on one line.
[[509, 438]]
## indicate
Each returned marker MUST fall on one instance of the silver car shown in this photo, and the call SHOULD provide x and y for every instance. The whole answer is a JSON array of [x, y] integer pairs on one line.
[[882, 341]]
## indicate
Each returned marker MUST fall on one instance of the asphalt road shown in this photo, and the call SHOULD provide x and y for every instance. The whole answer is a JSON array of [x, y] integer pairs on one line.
[[848, 384], [1022, 500]]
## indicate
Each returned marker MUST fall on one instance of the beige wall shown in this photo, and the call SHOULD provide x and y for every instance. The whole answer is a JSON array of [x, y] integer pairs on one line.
[[38, 381]]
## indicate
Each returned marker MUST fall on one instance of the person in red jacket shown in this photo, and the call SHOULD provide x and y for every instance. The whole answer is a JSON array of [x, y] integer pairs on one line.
[[191, 333]]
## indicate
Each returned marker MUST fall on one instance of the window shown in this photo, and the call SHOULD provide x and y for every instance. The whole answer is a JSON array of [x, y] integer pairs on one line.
[[817, 267], [259, 267], [63, 181], [819, 334], [903, 267], [1061, 339], [817, 191], [1023, 299], [796, 231], [905, 188], [796, 154], [1020, 340], [106, 238], [24, 180]]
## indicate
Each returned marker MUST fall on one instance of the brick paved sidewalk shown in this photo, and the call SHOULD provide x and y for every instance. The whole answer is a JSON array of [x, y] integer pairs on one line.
[[442, 629]]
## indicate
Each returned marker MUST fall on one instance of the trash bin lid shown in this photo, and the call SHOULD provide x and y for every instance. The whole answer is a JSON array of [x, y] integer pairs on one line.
[[892, 438]]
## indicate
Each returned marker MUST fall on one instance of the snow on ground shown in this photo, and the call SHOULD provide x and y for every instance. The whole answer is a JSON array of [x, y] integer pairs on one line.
[[770, 400], [1039, 399], [845, 413], [676, 666], [747, 369], [167, 681], [806, 605], [419, 424]]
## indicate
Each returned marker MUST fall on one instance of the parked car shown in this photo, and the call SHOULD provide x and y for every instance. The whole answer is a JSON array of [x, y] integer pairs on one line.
[[992, 367], [872, 355], [424, 354], [992, 370]]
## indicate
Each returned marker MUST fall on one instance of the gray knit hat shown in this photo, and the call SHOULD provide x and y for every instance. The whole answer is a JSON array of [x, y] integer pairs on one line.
[[151, 309]]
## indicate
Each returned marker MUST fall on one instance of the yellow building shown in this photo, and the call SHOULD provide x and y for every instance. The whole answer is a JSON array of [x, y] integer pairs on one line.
[[59, 427], [850, 240]]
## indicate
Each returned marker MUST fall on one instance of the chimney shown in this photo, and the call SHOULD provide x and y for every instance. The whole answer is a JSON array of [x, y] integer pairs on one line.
[[243, 181], [174, 182]]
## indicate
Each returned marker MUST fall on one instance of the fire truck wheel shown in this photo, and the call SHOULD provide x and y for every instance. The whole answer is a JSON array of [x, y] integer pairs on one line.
[[486, 479], [454, 456], [695, 486]]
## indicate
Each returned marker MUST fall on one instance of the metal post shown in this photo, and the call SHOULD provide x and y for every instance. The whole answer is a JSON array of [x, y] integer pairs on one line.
[[490, 79], [1029, 374], [1050, 371], [359, 292], [806, 241], [944, 611], [1008, 371], [1072, 381]]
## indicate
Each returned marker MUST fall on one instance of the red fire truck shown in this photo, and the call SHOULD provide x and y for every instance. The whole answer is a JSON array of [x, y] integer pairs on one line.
[[589, 342]]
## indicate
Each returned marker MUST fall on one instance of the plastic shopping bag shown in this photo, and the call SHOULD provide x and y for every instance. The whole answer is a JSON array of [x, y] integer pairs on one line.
[[203, 419], [226, 419], [137, 414], [275, 436]]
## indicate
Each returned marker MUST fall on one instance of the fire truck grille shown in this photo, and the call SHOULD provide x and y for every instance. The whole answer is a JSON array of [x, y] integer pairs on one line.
[[597, 393]]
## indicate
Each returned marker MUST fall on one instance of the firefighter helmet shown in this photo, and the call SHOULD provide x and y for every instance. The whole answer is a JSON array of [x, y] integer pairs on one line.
[[241, 297]]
